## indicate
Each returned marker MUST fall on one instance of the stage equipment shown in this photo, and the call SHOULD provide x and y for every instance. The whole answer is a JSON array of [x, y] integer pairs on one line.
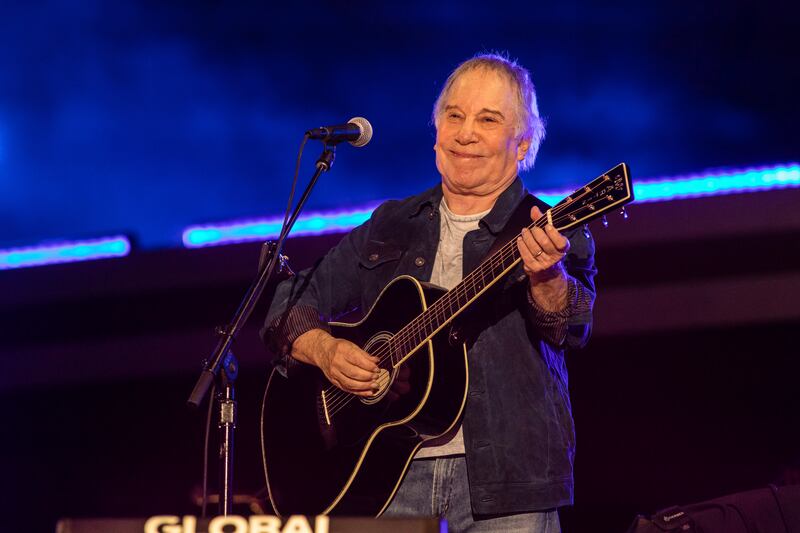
[[357, 131], [768, 510], [222, 364]]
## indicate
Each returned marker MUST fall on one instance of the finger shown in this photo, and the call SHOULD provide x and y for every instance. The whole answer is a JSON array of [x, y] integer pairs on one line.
[[536, 214], [544, 241], [560, 242], [529, 262], [356, 373], [341, 386], [341, 365], [358, 360], [353, 385], [345, 365], [530, 243], [358, 357]]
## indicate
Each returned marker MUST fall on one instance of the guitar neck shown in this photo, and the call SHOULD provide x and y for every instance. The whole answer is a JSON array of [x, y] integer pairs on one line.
[[605, 193]]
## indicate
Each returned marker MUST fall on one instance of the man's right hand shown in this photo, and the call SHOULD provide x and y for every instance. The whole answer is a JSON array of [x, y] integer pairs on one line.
[[344, 364]]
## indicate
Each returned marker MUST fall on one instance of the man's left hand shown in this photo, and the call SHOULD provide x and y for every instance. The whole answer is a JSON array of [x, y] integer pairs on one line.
[[542, 251]]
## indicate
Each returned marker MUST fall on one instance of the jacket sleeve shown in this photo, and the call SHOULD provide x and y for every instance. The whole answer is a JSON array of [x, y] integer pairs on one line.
[[571, 327], [314, 296]]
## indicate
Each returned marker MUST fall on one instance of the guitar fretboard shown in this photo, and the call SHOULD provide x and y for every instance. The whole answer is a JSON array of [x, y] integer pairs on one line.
[[443, 310]]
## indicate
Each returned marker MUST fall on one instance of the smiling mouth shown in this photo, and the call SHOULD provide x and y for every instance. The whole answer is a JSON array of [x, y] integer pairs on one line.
[[464, 155]]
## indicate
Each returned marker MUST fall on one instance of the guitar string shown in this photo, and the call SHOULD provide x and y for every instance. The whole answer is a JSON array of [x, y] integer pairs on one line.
[[436, 314], [339, 398], [460, 290], [437, 317], [497, 259], [431, 316], [479, 274]]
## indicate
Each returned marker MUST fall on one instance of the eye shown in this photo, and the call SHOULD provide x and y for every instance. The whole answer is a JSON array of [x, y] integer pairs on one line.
[[489, 119]]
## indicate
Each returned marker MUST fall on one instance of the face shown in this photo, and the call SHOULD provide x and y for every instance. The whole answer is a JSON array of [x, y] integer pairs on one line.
[[476, 148]]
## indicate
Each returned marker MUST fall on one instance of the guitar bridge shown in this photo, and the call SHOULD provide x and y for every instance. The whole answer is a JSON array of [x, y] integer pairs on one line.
[[323, 408], [326, 429]]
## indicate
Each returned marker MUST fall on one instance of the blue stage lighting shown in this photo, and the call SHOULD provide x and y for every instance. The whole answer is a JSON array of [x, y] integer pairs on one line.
[[655, 190], [716, 183], [2, 144], [67, 252], [258, 230]]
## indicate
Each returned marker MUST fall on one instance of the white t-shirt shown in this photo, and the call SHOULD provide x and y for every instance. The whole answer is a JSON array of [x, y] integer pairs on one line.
[[448, 269]]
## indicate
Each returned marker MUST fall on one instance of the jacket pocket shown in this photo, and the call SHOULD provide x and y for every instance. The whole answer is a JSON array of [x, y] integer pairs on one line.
[[377, 254], [379, 263]]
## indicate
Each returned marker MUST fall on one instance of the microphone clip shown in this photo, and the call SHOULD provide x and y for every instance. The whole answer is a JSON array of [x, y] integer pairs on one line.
[[325, 160]]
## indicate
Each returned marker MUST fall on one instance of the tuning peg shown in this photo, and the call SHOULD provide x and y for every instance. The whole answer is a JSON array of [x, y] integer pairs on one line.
[[623, 213], [605, 221]]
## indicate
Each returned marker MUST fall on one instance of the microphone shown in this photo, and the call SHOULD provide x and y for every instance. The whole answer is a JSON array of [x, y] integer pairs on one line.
[[357, 131]]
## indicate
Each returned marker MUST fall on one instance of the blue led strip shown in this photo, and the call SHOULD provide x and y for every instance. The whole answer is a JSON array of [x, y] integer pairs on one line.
[[705, 184], [67, 252], [257, 230], [717, 183], [654, 190]]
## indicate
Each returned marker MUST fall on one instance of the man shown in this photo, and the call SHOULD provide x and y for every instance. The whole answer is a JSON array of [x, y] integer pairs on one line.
[[508, 464]]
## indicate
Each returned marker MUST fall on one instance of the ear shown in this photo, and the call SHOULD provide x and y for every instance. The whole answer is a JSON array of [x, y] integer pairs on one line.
[[522, 148]]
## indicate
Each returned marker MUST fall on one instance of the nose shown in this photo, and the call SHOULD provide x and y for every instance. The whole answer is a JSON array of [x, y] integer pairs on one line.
[[466, 132]]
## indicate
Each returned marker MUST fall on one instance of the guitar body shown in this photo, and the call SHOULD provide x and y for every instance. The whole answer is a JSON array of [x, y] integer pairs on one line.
[[326, 451]]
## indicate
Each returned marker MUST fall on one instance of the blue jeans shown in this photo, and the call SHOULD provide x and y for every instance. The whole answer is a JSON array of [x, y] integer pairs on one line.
[[439, 487]]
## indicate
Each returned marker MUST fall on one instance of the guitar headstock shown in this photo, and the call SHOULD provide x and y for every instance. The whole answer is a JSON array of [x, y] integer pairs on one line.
[[611, 190]]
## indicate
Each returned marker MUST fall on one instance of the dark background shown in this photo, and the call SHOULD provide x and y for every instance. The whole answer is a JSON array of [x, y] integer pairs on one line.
[[144, 117]]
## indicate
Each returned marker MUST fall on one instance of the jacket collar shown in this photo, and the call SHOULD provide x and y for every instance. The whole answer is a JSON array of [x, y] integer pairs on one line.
[[428, 202]]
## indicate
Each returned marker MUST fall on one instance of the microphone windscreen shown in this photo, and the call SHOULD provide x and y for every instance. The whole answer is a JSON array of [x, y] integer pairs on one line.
[[366, 131]]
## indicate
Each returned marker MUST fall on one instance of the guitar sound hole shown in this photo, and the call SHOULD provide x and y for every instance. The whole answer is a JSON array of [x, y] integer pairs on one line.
[[387, 372]]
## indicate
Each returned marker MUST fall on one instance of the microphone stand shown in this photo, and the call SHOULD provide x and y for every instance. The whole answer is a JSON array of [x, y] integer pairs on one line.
[[223, 359]]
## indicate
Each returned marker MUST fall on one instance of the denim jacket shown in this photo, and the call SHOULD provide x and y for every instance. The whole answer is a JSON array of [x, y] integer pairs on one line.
[[518, 430]]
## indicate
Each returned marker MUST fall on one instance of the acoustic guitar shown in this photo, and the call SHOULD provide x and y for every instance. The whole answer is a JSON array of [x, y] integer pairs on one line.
[[326, 451]]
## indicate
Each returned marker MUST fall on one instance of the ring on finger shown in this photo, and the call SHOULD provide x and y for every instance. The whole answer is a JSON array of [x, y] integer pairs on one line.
[[537, 254]]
